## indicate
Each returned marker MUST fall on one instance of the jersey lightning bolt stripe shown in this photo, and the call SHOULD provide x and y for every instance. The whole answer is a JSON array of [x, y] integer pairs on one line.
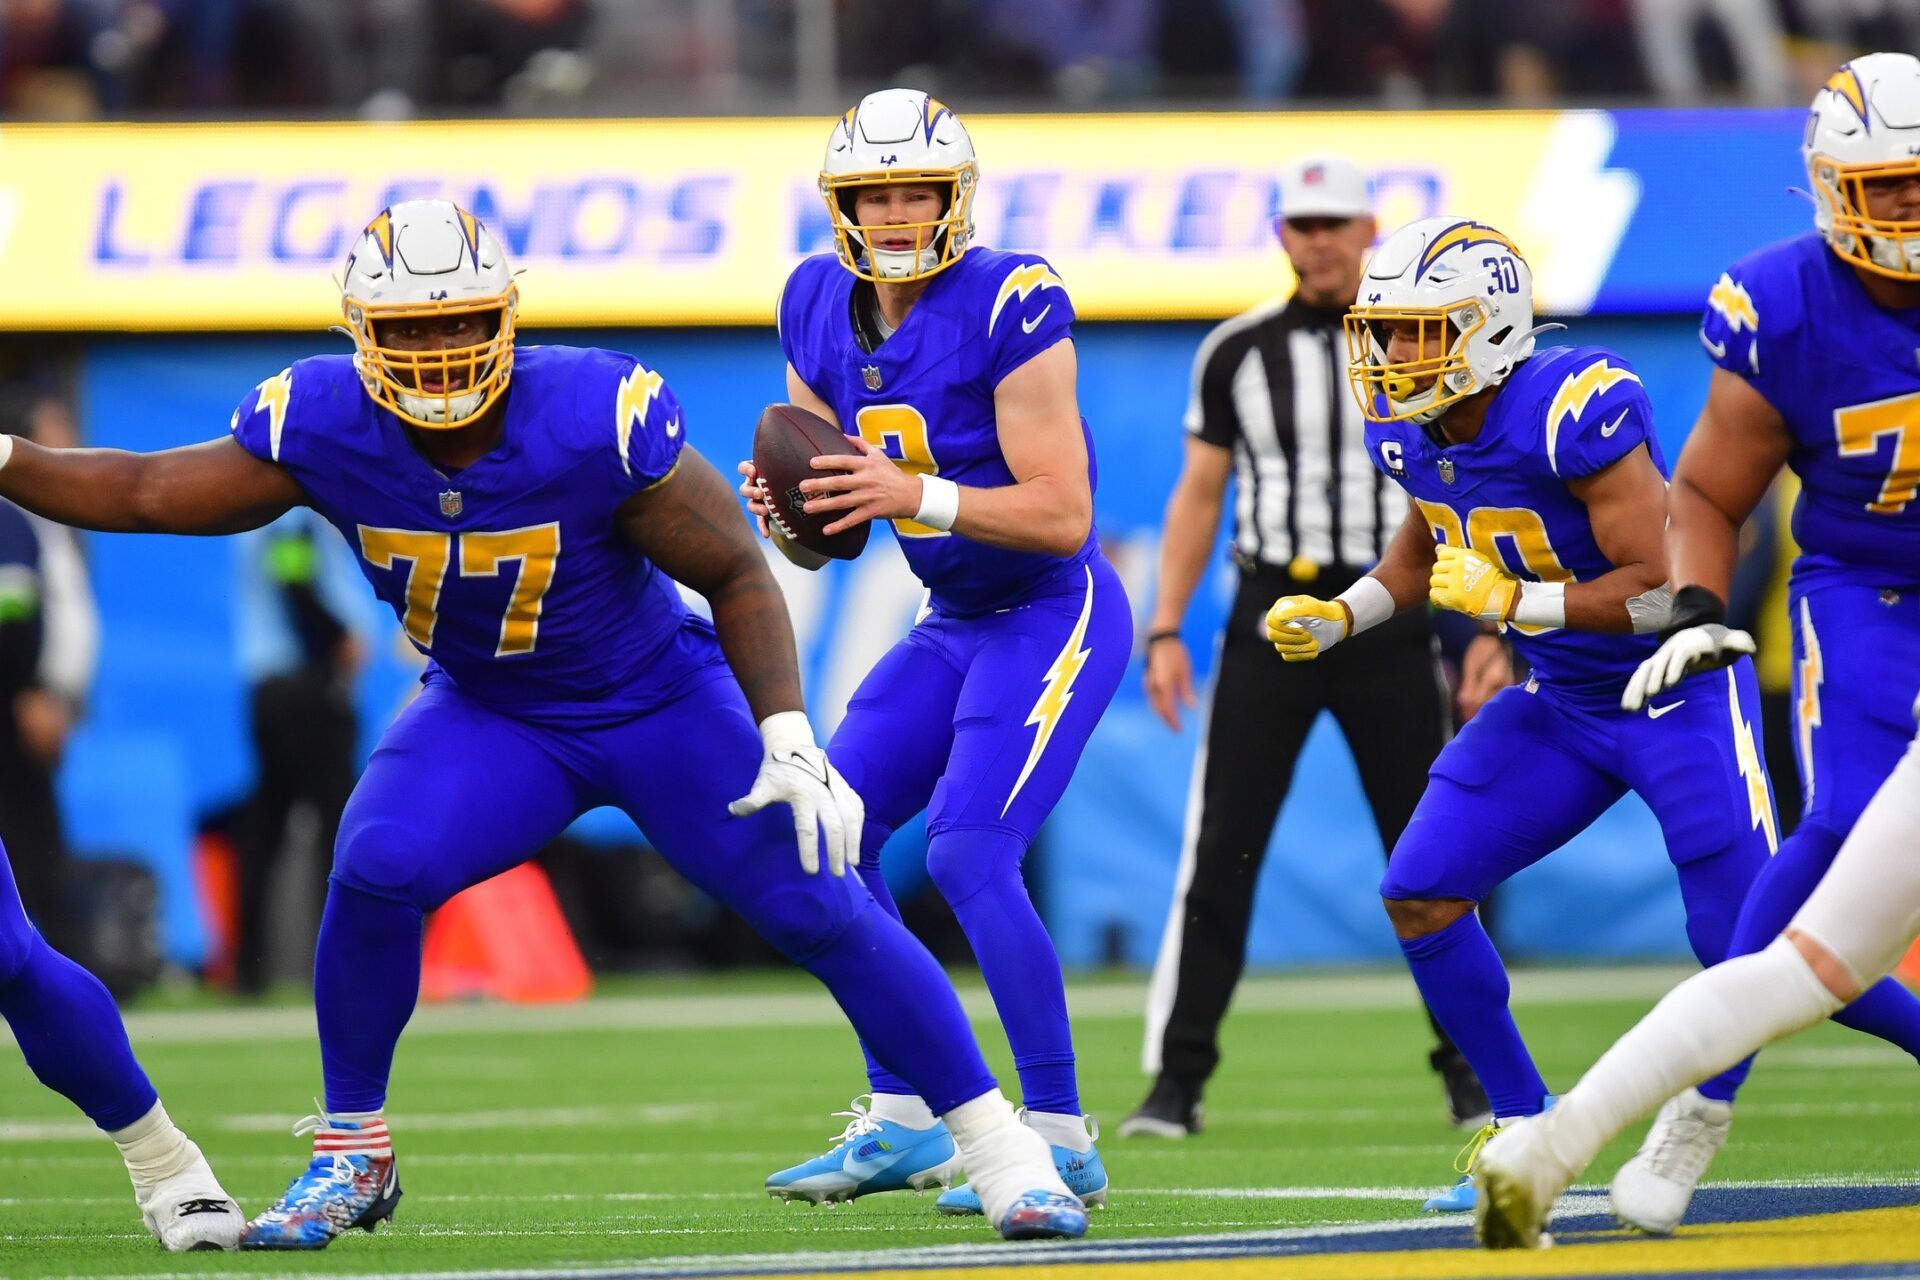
[[925, 396], [1793, 320], [510, 575], [1565, 413]]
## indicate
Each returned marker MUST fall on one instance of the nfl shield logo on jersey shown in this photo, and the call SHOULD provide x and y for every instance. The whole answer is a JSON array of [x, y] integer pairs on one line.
[[450, 503], [1446, 471], [870, 374]]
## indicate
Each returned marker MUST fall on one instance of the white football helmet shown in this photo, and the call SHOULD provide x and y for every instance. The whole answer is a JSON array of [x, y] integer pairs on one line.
[[1462, 283], [430, 259], [1865, 125], [900, 136]]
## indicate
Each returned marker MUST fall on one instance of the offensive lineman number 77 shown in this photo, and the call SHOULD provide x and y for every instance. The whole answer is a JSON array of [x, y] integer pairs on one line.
[[536, 547]]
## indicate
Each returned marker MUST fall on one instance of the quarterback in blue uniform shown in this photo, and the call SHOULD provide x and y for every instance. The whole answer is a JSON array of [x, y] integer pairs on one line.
[[527, 513], [1816, 343], [952, 367], [1538, 500]]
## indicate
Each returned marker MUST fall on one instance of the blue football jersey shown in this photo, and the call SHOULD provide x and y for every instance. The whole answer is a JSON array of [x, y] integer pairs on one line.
[[1793, 320], [925, 396], [510, 574], [1565, 413]]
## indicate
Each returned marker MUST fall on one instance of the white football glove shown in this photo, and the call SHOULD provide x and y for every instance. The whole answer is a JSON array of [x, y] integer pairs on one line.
[[1703, 647], [795, 772]]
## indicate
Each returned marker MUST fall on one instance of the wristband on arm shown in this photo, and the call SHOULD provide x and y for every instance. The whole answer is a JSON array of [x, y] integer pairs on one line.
[[1694, 606], [1541, 604], [939, 503], [1368, 604]]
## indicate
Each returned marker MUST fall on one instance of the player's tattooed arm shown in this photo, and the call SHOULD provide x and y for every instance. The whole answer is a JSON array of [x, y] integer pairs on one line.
[[210, 488], [1626, 505], [689, 524], [1736, 449]]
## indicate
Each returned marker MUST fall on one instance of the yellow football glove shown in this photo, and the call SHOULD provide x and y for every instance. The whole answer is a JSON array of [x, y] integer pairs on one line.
[[1467, 582], [1304, 627]]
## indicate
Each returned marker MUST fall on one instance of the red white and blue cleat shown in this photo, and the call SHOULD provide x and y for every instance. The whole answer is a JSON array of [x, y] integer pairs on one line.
[[1044, 1215], [351, 1182]]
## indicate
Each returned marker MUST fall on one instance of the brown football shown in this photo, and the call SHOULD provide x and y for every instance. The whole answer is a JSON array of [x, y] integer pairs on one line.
[[785, 444]]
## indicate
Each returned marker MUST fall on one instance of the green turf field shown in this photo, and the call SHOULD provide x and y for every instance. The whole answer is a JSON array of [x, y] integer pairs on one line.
[[640, 1124]]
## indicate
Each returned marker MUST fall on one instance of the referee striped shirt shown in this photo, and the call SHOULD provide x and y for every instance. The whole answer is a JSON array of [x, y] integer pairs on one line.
[[1271, 385]]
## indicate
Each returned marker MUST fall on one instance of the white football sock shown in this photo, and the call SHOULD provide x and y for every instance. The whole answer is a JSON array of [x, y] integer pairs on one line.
[[1003, 1158], [1061, 1130], [1702, 1027], [1866, 910], [974, 1120], [902, 1108], [154, 1148]]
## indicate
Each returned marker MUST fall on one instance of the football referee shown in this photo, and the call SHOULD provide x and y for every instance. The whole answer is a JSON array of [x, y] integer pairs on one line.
[[1271, 409]]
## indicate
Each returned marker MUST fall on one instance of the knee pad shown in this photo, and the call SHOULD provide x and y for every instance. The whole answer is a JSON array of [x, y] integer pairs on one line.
[[379, 859], [802, 915], [963, 862]]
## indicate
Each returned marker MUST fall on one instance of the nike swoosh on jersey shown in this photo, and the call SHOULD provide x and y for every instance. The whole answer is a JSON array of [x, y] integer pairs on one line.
[[1028, 326], [1654, 713], [1717, 349], [1614, 426]]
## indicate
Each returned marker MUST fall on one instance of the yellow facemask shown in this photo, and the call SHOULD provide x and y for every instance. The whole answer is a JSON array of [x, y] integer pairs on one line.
[[945, 236], [1853, 227], [1379, 384], [471, 378]]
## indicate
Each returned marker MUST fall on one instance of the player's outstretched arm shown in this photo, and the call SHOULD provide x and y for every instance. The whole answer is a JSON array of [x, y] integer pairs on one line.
[[215, 487], [1737, 447]]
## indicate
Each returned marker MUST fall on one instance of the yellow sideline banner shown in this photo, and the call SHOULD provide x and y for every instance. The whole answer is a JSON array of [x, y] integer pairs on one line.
[[658, 222]]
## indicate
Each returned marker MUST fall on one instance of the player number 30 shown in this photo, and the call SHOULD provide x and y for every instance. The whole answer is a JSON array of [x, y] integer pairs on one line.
[[480, 555]]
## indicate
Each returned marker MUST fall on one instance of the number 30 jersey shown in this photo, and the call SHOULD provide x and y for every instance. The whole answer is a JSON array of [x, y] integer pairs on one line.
[[925, 397], [1794, 321], [1563, 414], [510, 575]]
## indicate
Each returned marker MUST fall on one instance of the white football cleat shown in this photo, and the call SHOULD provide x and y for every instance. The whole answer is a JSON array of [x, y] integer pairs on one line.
[[1022, 1194], [191, 1211], [1518, 1177], [1652, 1190]]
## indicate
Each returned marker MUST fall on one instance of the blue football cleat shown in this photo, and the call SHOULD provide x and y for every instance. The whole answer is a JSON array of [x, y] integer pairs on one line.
[[1461, 1197], [871, 1156], [1044, 1215], [1082, 1171], [335, 1194], [351, 1182]]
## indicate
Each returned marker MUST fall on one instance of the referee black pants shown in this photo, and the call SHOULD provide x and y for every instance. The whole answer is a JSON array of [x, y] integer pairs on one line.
[[1385, 691]]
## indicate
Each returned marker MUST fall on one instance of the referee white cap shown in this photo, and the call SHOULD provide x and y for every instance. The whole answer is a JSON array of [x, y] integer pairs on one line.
[[1323, 187]]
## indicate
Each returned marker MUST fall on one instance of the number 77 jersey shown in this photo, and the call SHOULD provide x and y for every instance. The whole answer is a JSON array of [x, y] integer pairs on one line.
[[1561, 415], [510, 575], [1793, 320]]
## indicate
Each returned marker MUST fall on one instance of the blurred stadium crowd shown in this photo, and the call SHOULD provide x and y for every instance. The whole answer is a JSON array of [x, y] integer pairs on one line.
[[83, 59]]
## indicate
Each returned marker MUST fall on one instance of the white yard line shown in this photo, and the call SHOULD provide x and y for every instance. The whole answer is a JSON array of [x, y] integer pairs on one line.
[[694, 1009]]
